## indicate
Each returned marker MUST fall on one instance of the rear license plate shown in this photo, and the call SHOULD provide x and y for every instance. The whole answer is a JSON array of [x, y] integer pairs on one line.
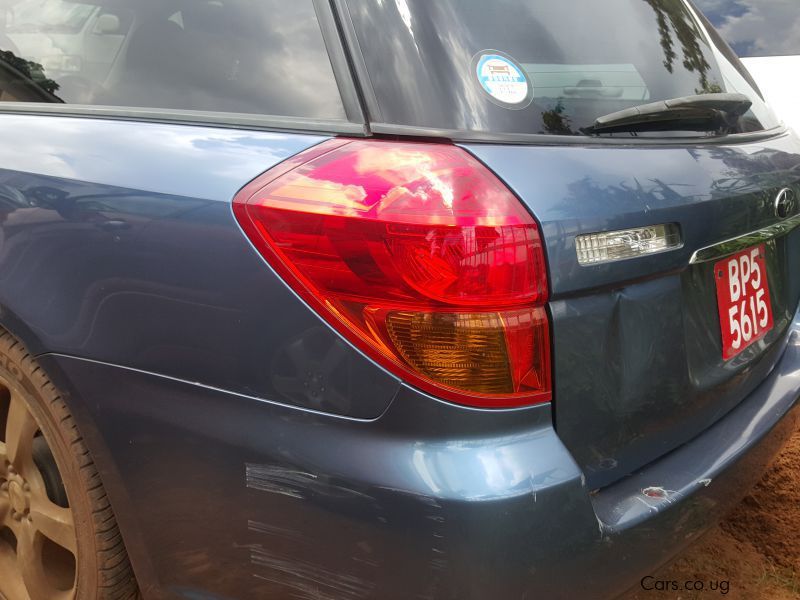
[[745, 308]]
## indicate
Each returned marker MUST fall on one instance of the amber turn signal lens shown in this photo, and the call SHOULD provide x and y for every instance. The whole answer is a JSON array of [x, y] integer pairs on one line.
[[417, 254], [470, 351]]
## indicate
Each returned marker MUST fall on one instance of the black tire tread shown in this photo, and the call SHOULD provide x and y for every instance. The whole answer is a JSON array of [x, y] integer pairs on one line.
[[115, 577]]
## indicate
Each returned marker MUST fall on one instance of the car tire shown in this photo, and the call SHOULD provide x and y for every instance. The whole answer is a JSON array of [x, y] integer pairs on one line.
[[59, 539]]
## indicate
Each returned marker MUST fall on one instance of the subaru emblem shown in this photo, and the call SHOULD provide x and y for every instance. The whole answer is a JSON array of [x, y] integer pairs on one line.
[[785, 204]]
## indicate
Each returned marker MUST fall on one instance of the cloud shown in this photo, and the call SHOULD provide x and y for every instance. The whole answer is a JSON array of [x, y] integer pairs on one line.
[[757, 27]]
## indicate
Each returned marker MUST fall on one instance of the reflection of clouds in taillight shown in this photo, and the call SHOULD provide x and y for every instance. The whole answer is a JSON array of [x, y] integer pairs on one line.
[[412, 175], [419, 256], [319, 196], [392, 163]]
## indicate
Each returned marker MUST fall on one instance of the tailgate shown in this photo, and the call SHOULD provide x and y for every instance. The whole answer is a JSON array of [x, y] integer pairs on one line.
[[638, 356], [638, 344]]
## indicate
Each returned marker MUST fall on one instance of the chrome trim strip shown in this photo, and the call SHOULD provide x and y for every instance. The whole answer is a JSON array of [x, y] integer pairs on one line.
[[728, 247]]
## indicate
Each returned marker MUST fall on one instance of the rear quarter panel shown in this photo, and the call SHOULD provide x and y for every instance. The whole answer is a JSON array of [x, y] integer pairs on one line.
[[118, 244]]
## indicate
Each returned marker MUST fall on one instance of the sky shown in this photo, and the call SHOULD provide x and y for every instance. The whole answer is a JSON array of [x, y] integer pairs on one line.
[[756, 27]]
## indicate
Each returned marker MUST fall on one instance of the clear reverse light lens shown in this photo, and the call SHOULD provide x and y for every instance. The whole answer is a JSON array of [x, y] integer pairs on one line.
[[610, 246]]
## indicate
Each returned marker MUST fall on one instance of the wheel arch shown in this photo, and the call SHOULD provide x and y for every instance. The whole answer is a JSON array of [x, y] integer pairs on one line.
[[104, 462]]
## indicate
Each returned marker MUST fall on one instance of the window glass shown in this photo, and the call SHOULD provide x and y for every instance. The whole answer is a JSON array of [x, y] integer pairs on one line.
[[239, 56], [536, 66], [756, 27], [48, 16]]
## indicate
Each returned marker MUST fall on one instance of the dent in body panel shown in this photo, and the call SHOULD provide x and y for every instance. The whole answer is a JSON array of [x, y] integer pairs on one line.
[[685, 473], [638, 366], [643, 374], [651, 394]]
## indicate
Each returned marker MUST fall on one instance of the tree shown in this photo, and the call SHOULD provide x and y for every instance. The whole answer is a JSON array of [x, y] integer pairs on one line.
[[674, 16], [32, 72]]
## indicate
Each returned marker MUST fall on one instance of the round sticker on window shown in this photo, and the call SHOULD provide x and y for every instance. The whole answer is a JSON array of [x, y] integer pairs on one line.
[[503, 79]]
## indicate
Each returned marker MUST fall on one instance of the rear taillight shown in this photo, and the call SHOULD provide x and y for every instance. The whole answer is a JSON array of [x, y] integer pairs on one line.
[[419, 256]]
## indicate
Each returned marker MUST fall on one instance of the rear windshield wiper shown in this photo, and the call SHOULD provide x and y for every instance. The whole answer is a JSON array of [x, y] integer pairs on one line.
[[706, 112]]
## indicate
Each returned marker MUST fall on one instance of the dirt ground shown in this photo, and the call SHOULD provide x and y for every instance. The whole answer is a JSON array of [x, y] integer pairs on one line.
[[756, 549]]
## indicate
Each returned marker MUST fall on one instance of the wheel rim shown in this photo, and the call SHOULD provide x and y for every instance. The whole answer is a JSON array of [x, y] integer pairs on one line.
[[38, 548]]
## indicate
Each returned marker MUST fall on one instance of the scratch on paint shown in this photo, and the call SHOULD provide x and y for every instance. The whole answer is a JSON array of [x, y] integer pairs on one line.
[[658, 493], [438, 560], [425, 499], [295, 483], [307, 580], [705, 482], [278, 480], [601, 527], [308, 591], [313, 581], [649, 506], [366, 561], [436, 518], [655, 492], [275, 531]]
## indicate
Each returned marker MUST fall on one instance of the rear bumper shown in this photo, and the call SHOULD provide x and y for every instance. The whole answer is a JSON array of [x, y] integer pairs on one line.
[[698, 483], [221, 495]]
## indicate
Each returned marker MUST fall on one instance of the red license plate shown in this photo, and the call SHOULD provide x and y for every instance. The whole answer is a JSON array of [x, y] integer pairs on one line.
[[745, 308]]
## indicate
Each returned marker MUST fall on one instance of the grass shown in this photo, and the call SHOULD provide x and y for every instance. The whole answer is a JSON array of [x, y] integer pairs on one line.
[[784, 578]]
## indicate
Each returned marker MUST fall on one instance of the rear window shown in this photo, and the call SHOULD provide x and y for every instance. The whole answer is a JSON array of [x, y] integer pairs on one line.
[[536, 66], [239, 56], [756, 27]]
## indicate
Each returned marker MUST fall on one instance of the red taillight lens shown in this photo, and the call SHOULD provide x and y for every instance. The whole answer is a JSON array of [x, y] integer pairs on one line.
[[418, 255]]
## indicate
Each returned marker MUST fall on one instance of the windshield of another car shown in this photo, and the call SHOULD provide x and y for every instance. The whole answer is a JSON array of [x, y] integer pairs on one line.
[[51, 16]]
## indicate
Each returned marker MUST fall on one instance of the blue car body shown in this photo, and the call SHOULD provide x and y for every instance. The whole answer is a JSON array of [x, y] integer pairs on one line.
[[250, 451], [183, 358]]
